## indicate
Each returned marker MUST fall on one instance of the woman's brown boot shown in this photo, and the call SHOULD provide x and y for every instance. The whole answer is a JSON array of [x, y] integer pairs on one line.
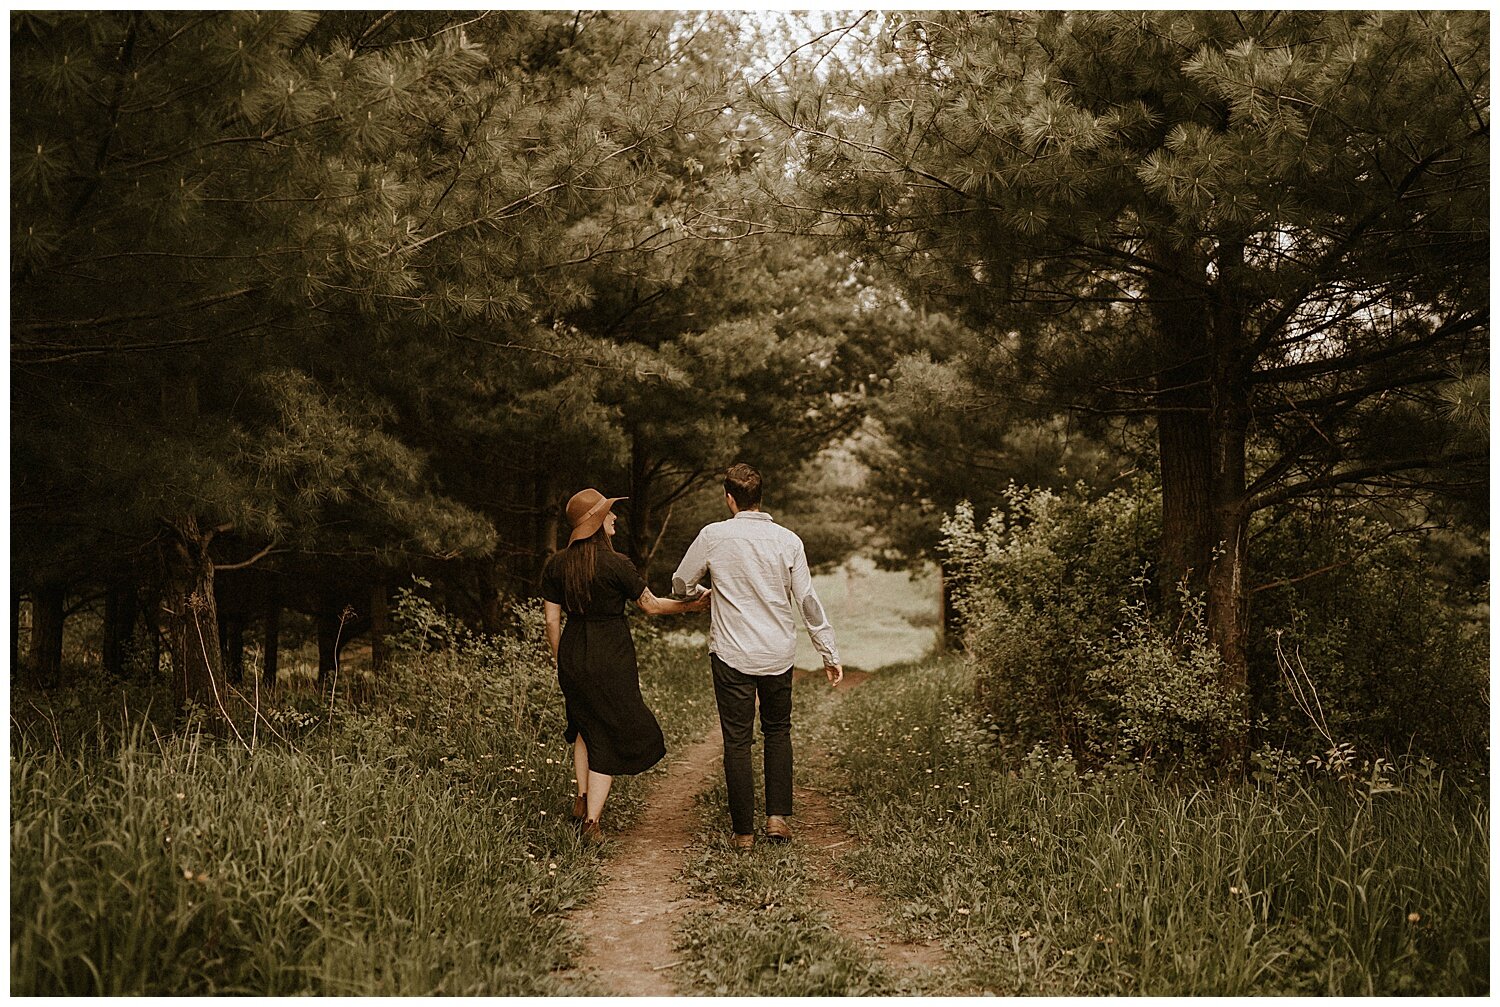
[[592, 834], [581, 807]]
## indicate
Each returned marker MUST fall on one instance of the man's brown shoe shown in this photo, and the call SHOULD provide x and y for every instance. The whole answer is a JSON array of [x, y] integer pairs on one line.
[[592, 834], [581, 807], [777, 830], [744, 842]]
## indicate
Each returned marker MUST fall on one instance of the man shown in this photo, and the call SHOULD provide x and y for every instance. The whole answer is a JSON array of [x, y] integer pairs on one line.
[[758, 572]]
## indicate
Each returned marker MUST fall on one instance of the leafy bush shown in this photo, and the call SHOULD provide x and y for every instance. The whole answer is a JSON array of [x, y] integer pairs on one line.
[[447, 681], [1167, 690], [1040, 587], [1071, 650]]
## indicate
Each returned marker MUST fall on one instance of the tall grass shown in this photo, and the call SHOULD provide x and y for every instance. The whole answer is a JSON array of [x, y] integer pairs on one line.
[[420, 847], [1046, 880]]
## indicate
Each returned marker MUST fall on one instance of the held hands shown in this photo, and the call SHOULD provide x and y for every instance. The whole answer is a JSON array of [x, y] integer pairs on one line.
[[700, 603]]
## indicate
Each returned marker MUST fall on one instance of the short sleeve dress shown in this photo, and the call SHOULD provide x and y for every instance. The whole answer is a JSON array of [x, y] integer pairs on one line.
[[597, 670]]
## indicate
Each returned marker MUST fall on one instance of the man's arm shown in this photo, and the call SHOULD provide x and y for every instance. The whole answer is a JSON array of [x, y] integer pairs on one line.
[[686, 582], [819, 629]]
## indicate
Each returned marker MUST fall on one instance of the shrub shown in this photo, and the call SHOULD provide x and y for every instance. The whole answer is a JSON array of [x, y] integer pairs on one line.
[[1040, 587], [1071, 649], [1166, 689], [446, 681]]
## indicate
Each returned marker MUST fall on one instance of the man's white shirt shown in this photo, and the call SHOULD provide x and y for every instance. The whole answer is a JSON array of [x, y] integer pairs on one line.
[[758, 572]]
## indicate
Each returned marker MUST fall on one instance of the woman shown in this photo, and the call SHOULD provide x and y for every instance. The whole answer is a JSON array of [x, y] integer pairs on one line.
[[609, 725]]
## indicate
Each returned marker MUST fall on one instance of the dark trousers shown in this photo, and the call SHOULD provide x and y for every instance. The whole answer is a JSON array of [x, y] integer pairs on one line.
[[735, 693]]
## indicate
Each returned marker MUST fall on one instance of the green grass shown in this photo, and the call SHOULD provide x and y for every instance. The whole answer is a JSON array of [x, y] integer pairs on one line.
[[421, 847], [1046, 881]]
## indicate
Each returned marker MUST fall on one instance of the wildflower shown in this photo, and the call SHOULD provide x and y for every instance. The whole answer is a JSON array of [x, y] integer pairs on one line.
[[1413, 917], [1234, 890]]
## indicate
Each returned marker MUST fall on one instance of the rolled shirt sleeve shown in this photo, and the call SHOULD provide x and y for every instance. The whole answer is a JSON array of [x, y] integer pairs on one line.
[[687, 581]]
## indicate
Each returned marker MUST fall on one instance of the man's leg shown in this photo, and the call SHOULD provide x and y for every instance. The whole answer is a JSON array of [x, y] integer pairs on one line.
[[735, 695], [776, 726]]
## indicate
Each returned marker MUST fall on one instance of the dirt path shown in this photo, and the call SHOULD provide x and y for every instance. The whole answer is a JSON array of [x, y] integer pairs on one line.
[[857, 911], [629, 927]]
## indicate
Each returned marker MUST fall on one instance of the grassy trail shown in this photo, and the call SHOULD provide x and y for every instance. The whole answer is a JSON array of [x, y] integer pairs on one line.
[[625, 933], [424, 849], [791, 920]]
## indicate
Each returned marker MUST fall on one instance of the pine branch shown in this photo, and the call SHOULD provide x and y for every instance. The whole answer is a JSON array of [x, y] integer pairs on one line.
[[36, 325], [1329, 568], [1354, 476], [267, 551], [1293, 372], [374, 28], [1354, 395], [419, 38], [1333, 255]]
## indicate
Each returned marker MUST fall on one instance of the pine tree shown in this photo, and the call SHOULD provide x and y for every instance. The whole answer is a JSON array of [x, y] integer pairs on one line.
[[229, 232], [1266, 232]]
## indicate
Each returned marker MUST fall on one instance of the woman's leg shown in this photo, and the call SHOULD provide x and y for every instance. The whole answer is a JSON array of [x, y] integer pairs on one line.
[[598, 791], [581, 764]]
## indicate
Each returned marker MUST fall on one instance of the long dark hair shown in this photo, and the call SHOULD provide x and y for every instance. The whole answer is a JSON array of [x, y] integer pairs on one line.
[[575, 567]]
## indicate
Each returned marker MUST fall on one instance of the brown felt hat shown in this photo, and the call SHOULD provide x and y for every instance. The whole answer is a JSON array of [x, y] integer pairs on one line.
[[586, 510]]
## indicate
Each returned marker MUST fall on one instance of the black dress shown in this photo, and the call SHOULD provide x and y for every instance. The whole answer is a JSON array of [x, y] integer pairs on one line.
[[596, 668]]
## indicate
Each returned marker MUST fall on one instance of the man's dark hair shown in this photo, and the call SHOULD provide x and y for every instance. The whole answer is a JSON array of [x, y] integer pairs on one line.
[[743, 483]]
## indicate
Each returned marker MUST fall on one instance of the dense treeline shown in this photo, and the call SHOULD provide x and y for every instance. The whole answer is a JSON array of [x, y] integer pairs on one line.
[[306, 304]]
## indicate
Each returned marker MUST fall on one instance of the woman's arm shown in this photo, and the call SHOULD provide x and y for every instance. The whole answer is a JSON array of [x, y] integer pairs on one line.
[[554, 626], [652, 605]]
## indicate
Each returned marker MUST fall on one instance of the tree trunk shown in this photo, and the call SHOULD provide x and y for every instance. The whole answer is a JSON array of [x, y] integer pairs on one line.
[[119, 626], [151, 616], [190, 617], [270, 664], [47, 615], [953, 625], [15, 625], [639, 519], [1228, 597], [232, 639], [491, 597], [1183, 425], [380, 622], [15, 622], [551, 521]]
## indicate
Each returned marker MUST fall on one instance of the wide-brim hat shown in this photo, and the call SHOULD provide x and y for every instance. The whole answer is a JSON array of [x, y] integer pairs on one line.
[[586, 510]]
